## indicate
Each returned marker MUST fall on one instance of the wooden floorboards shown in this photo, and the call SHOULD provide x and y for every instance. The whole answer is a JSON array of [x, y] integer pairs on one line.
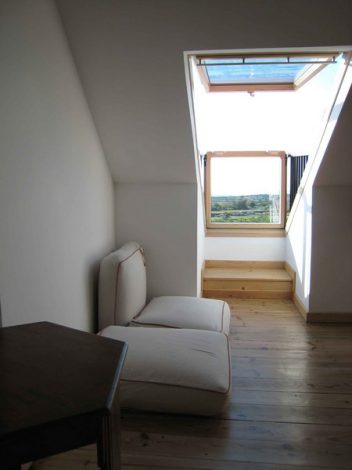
[[291, 404]]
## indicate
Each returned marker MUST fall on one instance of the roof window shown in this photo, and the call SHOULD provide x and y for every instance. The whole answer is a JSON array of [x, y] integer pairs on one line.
[[260, 72]]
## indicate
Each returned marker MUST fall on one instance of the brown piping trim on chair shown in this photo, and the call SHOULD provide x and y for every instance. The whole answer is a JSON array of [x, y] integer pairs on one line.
[[162, 325], [158, 325], [173, 385], [138, 314], [117, 275], [228, 362], [222, 316], [172, 327], [186, 386]]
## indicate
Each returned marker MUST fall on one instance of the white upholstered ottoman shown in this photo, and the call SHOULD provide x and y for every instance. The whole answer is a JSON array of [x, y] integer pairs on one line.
[[174, 370]]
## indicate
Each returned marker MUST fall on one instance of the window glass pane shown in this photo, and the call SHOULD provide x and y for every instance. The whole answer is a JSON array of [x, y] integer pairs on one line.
[[259, 70], [245, 190], [263, 73]]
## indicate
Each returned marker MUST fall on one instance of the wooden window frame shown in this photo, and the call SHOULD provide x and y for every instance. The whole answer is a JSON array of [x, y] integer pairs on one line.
[[245, 226], [273, 86]]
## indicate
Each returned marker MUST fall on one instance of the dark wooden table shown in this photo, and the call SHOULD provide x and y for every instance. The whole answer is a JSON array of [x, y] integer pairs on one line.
[[58, 391]]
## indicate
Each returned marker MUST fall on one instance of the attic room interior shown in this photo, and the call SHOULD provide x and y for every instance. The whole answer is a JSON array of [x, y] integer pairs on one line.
[[100, 149]]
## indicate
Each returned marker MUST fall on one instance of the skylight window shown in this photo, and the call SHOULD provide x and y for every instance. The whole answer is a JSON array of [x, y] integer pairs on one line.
[[260, 72]]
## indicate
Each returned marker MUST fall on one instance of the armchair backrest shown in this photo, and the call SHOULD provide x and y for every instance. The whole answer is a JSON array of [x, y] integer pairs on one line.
[[122, 285]]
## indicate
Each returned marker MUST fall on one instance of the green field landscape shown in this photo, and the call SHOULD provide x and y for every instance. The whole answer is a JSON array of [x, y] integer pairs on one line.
[[252, 209]]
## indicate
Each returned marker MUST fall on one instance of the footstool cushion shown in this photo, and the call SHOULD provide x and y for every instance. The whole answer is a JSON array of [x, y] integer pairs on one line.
[[185, 312], [174, 370]]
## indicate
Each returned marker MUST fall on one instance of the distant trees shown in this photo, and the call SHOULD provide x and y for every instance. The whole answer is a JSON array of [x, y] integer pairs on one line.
[[242, 204], [239, 202], [251, 208]]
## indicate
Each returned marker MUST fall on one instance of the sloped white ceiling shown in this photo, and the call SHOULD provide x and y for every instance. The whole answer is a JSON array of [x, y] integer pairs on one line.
[[135, 89], [129, 55], [336, 167]]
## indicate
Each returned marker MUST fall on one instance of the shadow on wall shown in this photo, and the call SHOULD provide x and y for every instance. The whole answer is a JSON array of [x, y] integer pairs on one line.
[[331, 267], [299, 246], [91, 283]]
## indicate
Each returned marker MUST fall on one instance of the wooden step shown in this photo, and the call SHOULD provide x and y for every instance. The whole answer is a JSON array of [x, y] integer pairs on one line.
[[248, 280]]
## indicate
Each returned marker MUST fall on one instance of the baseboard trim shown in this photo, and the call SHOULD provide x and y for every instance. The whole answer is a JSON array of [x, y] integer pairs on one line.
[[300, 307], [315, 317], [292, 274], [338, 317]]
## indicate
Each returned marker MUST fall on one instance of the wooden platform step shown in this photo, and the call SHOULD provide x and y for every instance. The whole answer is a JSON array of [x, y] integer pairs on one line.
[[248, 279]]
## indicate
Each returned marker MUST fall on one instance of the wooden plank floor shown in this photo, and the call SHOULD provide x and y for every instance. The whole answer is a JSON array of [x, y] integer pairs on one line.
[[291, 404]]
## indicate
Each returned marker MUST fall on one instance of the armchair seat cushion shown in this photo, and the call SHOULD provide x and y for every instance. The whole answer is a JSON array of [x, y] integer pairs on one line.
[[174, 370], [185, 312]]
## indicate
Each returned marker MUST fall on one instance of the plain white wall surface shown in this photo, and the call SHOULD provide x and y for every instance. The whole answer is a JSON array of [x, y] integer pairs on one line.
[[331, 252], [200, 239], [336, 168], [299, 243], [56, 194], [161, 218], [133, 72], [330, 165], [331, 271], [245, 249]]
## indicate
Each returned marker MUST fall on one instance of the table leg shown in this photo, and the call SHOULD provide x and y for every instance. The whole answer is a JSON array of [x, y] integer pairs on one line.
[[100, 451], [108, 446]]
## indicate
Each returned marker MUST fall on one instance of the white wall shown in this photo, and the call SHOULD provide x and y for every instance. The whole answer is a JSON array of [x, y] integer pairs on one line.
[[332, 222], [331, 251], [299, 244], [200, 239], [243, 249], [331, 165], [135, 86], [161, 218], [130, 57], [56, 194]]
